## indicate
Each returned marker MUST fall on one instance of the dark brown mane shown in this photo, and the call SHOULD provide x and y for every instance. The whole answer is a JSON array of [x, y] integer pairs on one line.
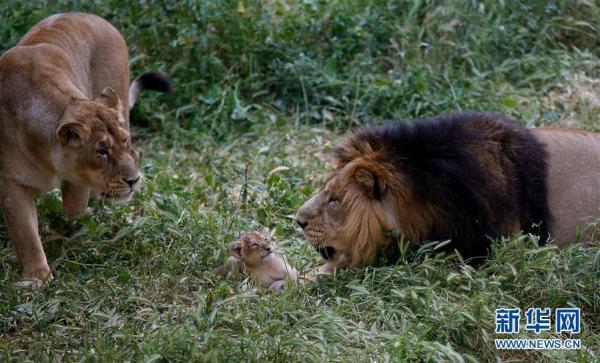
[[468, 177]]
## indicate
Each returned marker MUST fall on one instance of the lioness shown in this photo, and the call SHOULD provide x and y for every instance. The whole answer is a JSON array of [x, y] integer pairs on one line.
[[63, 123], [464, 177]]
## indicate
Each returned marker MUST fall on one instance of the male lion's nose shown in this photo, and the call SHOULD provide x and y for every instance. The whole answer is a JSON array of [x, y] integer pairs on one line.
[[301, 223], [131, 182]]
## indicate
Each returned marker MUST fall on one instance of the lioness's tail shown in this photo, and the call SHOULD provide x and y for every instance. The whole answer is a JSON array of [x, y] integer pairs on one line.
[[154, 81]]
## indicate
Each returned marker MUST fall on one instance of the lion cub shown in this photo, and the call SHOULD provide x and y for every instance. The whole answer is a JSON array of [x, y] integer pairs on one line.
[[255, 254]]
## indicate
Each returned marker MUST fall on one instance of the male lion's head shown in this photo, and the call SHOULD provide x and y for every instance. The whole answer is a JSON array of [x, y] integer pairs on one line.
[[96, 147], [463, 177], [348, 216]]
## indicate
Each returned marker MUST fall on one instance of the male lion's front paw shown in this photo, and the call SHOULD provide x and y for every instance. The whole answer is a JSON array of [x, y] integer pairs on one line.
[[310, 276], [35, 283], [314, 274], [331, 266]]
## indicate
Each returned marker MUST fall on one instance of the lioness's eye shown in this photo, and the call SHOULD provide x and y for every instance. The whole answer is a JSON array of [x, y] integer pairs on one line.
[[254, 245]]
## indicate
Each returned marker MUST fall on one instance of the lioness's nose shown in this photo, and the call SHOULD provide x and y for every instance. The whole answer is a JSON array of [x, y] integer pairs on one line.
[[301, 223], [131, 182]]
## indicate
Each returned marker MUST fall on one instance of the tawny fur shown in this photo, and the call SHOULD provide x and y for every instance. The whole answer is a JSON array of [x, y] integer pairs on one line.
[[574, 183], [64, 122], [255, 254]]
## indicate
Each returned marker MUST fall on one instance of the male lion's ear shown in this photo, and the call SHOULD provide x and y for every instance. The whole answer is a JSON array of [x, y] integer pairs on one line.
[[370, 183], [235, 249], [110, 99], [72, 133]]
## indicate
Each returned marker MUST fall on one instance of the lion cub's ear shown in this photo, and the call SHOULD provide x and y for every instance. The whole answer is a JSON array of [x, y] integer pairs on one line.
[[370, 183], [72, 133], [235, 249], [266, 233], [110, 99]]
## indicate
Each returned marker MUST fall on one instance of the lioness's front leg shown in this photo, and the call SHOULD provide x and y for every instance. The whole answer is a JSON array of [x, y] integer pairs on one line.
[[75, 199], [21, 219]]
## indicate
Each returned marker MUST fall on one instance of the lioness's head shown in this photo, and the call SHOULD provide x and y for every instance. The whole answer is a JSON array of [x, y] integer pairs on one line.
[[96, 147], [349, 215]]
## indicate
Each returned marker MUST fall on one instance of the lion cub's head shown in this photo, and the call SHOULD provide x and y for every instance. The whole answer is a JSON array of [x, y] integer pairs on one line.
[[253, 247], [96, 147]]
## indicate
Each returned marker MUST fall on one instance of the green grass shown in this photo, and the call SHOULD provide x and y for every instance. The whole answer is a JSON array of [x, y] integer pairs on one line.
[[275, 85]]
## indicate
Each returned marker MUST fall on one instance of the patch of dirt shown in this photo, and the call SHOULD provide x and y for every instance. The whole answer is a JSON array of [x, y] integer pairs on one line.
[[576, 101]]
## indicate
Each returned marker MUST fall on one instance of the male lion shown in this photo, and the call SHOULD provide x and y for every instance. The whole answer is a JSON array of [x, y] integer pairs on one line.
[[464, 177], [63, 123]]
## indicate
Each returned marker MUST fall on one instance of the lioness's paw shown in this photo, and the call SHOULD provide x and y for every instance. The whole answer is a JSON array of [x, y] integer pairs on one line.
[[34, 283]]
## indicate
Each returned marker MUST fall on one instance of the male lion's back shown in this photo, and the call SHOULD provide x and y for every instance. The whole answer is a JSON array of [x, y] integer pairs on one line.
[[573, 182]]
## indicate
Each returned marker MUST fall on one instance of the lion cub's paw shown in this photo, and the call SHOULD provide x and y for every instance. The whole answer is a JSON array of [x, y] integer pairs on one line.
[[34, 283], [277, 286]]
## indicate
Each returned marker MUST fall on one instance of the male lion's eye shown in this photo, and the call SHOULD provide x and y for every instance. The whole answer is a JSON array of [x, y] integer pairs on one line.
[[333, 198], [102, 149]]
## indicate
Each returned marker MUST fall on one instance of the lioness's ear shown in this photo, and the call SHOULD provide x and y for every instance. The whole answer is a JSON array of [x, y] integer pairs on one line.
[[72, 133], [370, 183], [235, 249], [110, 99]]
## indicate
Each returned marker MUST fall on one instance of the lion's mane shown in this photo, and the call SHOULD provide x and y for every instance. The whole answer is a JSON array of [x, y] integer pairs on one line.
[[467, 177]]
